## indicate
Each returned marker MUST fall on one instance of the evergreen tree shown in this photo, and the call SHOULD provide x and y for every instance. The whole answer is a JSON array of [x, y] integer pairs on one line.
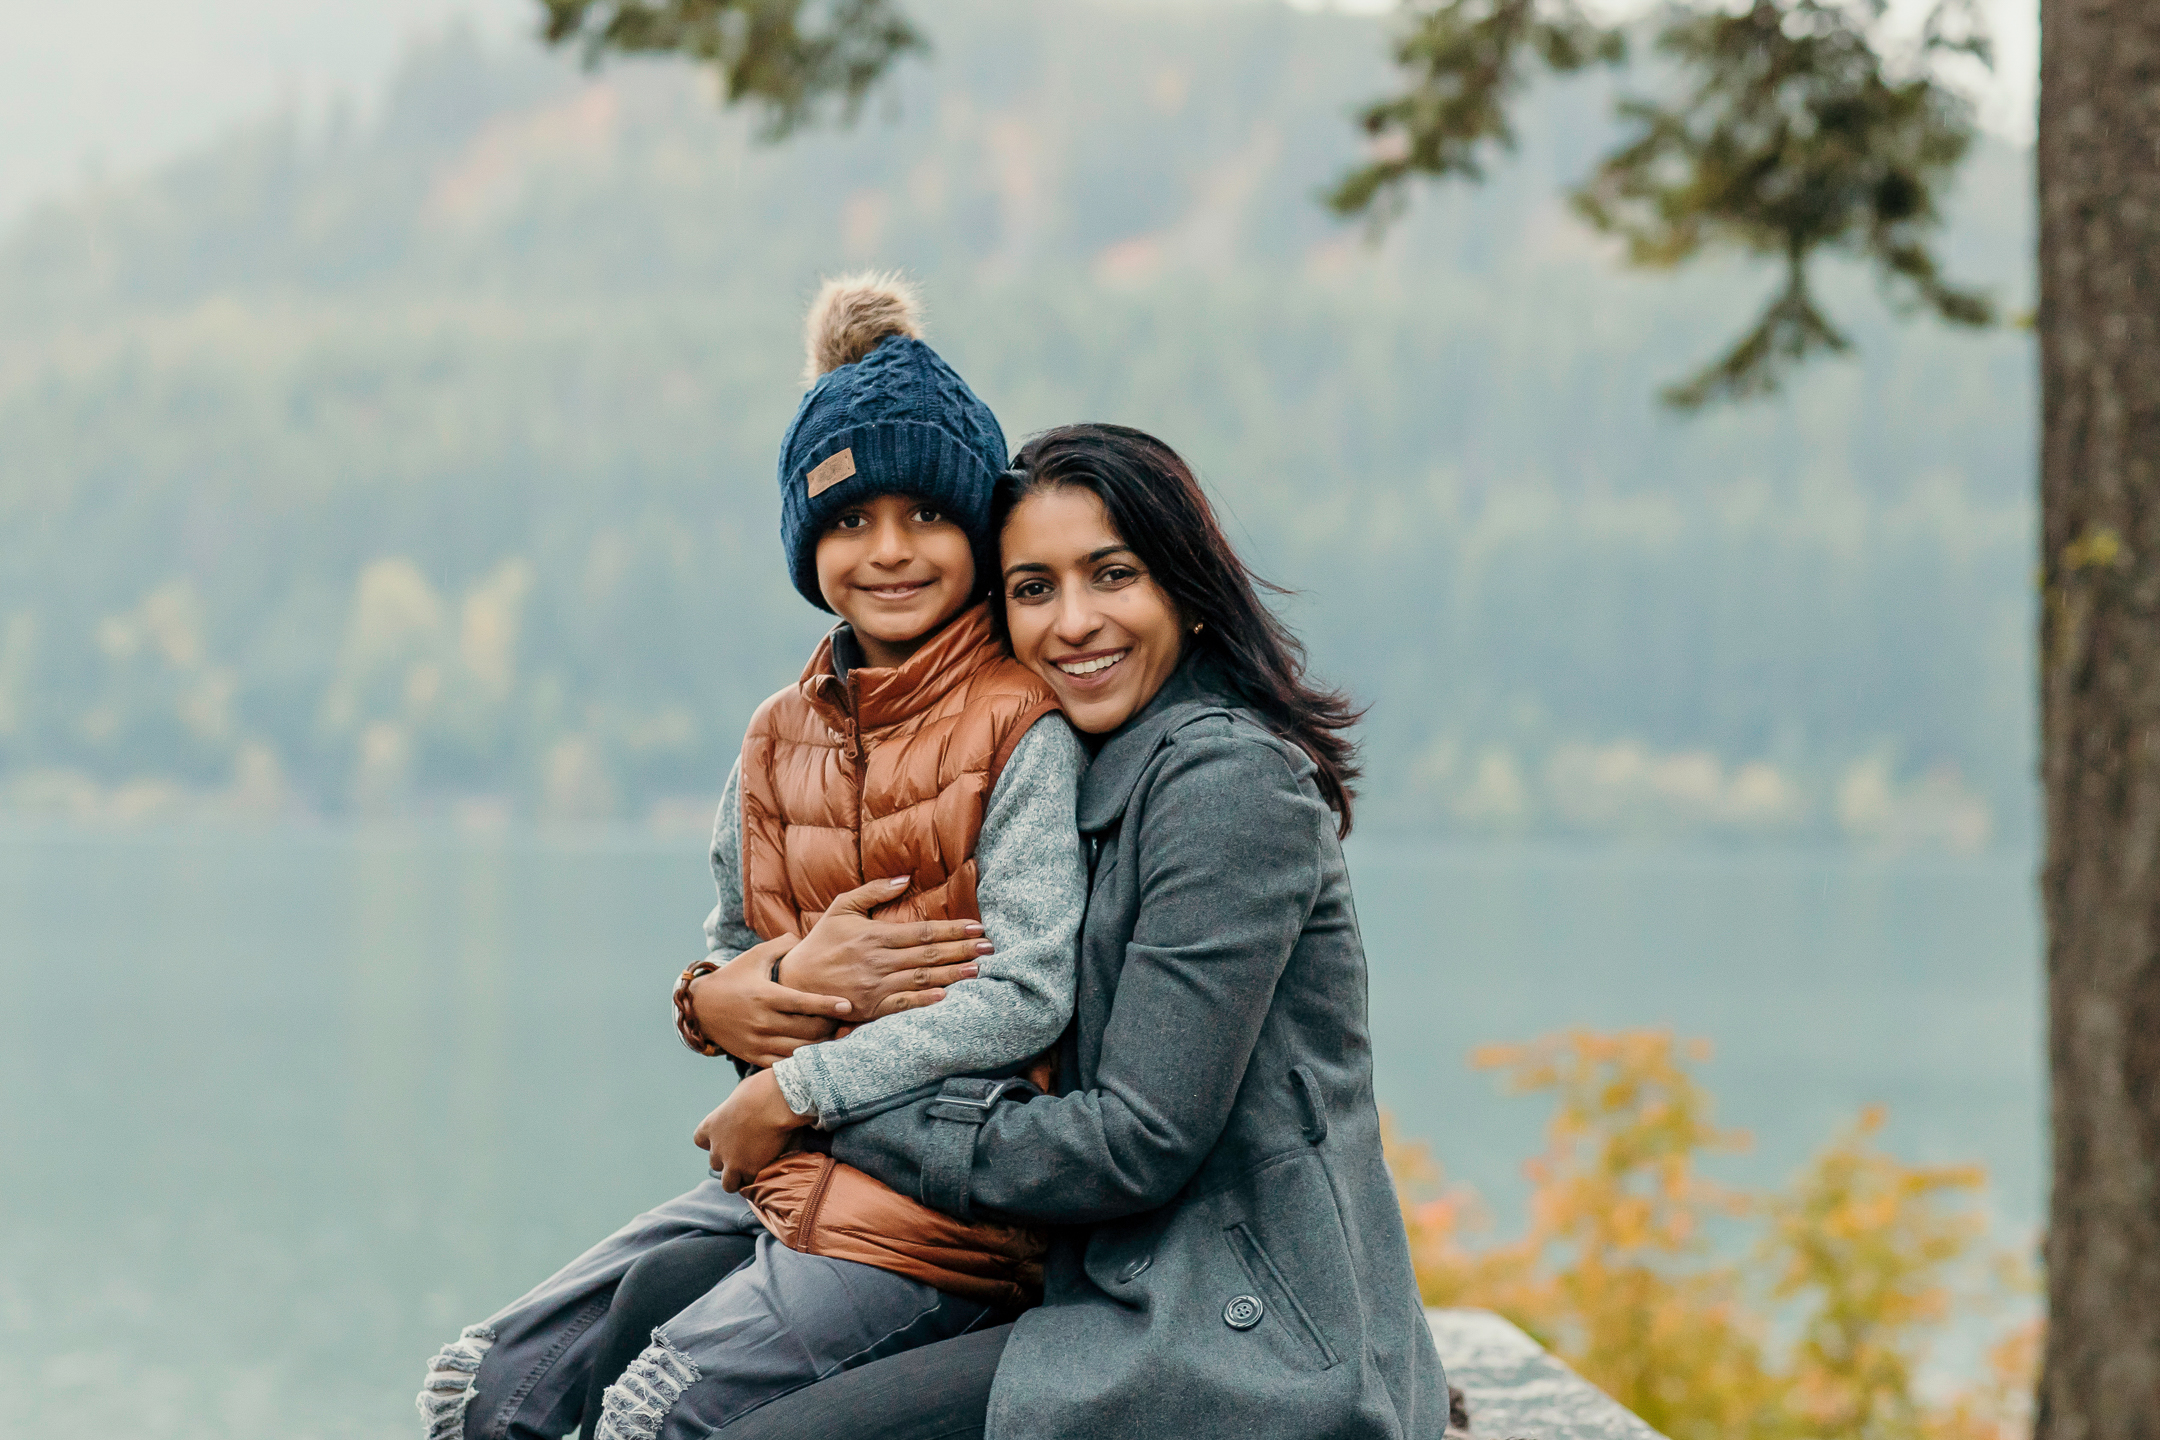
[[2099, 327]]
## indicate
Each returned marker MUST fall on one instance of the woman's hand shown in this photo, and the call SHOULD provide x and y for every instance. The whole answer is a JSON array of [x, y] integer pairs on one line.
[[740, 1009], [748, 1131], [879, 966]]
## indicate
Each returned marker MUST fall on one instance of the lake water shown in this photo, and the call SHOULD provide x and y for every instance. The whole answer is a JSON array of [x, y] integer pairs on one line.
[[280, 1111]]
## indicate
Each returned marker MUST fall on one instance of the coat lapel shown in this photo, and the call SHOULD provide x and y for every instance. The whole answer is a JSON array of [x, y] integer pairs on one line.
[[1108, 784]]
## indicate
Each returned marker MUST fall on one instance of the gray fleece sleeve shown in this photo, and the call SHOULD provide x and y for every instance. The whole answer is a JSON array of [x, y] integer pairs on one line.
[[727, 934], [1032, 887]]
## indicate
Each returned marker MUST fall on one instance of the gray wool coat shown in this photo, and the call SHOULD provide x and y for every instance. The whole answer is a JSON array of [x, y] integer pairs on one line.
[[1229, 1258]]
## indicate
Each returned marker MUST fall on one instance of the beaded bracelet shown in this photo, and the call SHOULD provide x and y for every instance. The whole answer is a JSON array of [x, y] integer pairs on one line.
[[686, 1018]]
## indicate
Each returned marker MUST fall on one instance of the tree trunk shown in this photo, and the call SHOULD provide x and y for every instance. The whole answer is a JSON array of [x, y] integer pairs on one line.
[[2099, 165]]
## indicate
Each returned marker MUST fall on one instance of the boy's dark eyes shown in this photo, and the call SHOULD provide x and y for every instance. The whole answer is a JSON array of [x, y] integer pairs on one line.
[[856, 519]]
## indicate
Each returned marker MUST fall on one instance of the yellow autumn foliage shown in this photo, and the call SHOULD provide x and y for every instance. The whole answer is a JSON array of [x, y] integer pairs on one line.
[[1820, 1332]]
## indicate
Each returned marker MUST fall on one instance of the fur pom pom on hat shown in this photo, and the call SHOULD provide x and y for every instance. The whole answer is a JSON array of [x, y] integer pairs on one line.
[[885, 416], [852, 314]]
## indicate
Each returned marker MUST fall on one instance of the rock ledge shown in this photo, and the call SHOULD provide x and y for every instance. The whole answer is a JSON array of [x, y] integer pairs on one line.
[[1513, 1388]]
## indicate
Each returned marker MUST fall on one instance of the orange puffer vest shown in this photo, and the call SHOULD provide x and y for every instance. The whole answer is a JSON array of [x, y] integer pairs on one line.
[[887, 773]]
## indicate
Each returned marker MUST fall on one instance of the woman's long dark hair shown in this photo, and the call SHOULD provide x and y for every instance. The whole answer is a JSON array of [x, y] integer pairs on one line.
[[1157, 508]]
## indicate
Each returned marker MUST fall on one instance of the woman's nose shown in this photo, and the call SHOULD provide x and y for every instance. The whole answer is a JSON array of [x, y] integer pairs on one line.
[[1076, 618]]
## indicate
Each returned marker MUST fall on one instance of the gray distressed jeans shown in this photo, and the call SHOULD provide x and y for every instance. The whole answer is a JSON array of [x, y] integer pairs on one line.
[[781, 1321]]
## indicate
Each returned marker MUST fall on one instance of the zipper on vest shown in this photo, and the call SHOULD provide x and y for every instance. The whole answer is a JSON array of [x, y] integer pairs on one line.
[[854, 737], [806, 1228]]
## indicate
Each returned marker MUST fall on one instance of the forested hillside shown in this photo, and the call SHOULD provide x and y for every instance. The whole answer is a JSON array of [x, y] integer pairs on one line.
[[424, 465]]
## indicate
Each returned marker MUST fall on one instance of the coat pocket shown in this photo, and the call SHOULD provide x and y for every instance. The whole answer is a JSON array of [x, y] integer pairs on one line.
[[1275, 1289]]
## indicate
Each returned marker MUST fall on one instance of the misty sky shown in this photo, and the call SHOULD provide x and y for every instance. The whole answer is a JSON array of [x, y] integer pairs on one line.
[[106, 87], [111, 86]]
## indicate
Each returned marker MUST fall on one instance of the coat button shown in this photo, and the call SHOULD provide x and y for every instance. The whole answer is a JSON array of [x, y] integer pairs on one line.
[[1137, 1268], [1243, 1312]]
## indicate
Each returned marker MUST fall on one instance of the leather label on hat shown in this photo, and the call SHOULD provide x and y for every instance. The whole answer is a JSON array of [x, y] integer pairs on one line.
[[830, 471]]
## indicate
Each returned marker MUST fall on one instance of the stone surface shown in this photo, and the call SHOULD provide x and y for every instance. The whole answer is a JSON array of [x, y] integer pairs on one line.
[[1514, 1388]]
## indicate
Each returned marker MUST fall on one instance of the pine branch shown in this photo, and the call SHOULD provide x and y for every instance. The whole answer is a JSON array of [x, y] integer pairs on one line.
[[1793, 135], [1466, 61], [1789, 330], [794, 59]]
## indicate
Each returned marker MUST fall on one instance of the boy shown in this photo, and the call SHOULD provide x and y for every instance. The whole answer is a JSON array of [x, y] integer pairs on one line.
[[913, 747]]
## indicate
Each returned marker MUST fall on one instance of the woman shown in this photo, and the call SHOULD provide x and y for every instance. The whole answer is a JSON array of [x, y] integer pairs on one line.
[[1233, 1260]]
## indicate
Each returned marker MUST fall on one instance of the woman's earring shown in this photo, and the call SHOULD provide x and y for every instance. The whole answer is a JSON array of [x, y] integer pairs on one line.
[[1197, 625]]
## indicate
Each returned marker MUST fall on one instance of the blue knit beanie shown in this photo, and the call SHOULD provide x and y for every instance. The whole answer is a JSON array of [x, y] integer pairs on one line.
[[885, 416]]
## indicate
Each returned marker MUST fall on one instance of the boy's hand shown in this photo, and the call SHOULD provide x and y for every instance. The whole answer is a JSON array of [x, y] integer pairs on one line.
[[748, 1131], [744, 1013], [882, 966]]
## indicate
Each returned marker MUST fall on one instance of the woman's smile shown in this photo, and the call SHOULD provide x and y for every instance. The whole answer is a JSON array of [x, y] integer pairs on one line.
[[1092, 668]]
